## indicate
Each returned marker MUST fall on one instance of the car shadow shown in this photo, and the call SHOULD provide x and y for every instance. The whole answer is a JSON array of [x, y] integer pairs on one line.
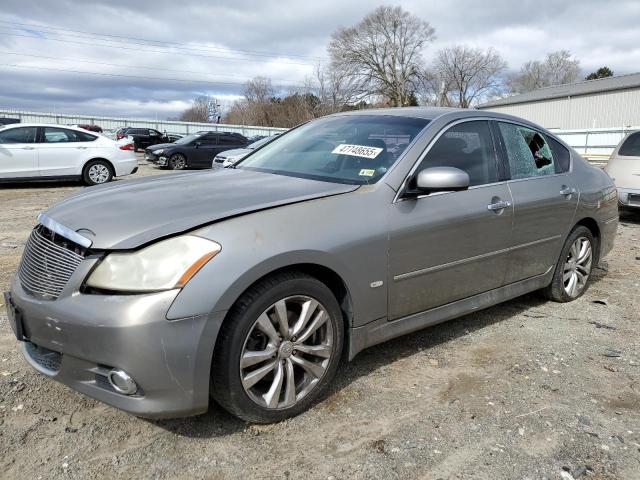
[[40, 184], [218, 423], [632, 217]]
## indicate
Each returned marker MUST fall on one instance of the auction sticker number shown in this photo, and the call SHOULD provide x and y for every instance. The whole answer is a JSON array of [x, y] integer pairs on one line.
[[357, 150]]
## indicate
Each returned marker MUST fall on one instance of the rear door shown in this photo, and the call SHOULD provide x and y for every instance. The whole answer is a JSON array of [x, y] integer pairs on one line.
[[18, 153], [545, 197], [62, 151], [452, 245]]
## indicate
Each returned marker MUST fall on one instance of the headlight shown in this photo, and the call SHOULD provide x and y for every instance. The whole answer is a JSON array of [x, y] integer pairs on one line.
[[159, 151], [162, 266]]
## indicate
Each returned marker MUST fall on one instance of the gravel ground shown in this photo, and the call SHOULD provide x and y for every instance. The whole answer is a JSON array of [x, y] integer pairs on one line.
[[528, 389]]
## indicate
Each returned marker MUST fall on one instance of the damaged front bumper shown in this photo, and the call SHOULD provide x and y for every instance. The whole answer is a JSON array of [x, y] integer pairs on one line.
[[79, 338]]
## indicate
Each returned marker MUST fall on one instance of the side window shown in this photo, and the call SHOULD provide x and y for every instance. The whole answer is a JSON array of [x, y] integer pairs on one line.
[[528, 151], [631, 146], [18, 135], [228, 140], [561, 156], [469, 147], [208, 140], [154, 133], [62, 135]]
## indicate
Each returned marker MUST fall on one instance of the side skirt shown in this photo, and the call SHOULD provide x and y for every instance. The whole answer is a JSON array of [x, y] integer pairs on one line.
[[382, 330]]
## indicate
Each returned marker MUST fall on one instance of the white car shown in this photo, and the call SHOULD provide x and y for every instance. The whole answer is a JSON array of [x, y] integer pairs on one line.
[[36, 151], [624, 168]]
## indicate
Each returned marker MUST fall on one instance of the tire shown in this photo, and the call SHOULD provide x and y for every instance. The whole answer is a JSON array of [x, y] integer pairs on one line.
[[571, 268], [177, 162], [243, 330], [135, 147], [97, 172]]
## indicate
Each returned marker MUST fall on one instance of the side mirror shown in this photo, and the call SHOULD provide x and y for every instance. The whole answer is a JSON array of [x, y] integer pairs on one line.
[[441, 179]]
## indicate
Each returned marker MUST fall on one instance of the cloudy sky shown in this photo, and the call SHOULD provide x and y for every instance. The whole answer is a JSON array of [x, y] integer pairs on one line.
[[148, 58]]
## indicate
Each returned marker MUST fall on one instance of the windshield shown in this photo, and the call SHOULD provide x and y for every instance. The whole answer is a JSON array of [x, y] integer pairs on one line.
[[353, 149], [188, 138]]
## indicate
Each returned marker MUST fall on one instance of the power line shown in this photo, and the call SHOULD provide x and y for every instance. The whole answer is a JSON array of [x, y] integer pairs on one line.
[[120, 75], [186, 45], [147, 50], [19, 54]]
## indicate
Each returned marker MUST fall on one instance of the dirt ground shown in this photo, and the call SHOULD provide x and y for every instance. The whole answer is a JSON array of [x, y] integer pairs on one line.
[[528, 389]]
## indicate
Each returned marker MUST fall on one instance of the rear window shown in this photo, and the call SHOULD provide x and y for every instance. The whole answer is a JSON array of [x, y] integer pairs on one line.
[[631, 146], [561, 155]]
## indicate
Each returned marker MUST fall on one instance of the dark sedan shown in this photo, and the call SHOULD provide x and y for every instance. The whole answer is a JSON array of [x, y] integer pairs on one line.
[[194, 151]]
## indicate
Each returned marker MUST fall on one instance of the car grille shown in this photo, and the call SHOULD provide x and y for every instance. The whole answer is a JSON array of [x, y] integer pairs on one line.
[[47, 359], [47, 263]]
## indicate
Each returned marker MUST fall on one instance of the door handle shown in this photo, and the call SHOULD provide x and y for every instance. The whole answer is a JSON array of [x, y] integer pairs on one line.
[[81, 148], [28, 148], [567, 191], [499, 205]]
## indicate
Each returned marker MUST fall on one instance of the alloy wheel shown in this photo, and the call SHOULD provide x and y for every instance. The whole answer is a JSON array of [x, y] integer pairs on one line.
[[98, 173], [286, 352], [178, 162], [577, 267]]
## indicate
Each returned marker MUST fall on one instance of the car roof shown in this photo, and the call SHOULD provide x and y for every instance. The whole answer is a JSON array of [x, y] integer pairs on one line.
[[55, 125]]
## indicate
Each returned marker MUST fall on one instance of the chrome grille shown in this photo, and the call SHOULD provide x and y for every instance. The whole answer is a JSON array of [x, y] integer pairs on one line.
[[47, 263]]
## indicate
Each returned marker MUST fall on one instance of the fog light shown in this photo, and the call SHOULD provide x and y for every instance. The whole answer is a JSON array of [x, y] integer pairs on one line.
[[122, 382]]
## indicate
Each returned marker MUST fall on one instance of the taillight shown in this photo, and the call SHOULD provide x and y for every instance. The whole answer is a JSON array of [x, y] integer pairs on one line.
[[127, 146]]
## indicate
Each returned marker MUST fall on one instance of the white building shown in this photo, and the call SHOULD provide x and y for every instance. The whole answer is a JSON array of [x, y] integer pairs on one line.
[[612, 102]]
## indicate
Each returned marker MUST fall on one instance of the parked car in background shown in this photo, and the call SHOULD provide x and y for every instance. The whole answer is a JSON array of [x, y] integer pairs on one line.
[[91, 128], [250, 283], [230, 157], [8, 121], [194, 151], [624, 168], [142, 137], [173, 137], [37, 151]]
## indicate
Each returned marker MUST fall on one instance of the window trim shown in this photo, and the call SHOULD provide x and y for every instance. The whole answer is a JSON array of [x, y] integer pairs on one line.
[[399, 196], [505, 159]]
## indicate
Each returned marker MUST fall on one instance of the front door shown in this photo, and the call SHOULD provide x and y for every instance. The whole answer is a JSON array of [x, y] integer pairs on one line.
[[545, 198], [205, 152], [449, 246], [18, 153]]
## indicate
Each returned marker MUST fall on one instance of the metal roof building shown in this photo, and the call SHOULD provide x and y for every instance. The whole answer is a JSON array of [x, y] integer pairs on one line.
[[612, 102]]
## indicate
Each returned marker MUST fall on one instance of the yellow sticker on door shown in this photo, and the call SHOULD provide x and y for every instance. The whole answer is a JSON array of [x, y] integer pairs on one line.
[[367, 172]]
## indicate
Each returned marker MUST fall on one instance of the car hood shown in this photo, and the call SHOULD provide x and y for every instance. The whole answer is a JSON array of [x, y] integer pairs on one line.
[[127, 214], [157, 146], [234, 152]]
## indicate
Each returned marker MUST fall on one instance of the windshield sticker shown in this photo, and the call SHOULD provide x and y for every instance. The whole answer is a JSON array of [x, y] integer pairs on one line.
[[367, 172], [357, 150]]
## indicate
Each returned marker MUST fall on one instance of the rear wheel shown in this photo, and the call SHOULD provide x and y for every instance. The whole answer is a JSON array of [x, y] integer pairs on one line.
[[279, 349], [177, 162], [97, 172], [573, 270]]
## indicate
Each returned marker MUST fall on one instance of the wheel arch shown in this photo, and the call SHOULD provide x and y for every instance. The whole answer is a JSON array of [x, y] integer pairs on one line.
[[108, 162], [328, 276], [592, 224]]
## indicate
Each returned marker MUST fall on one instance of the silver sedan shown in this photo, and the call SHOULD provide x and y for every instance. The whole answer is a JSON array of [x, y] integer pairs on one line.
[[250, 284]]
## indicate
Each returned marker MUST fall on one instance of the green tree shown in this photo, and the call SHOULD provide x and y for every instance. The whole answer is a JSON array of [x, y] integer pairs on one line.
[[602, 72]]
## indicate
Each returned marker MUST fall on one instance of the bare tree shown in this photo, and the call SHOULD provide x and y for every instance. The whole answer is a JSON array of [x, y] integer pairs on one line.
[[382, 55], [463, 75], [556, 69], [198, 111]]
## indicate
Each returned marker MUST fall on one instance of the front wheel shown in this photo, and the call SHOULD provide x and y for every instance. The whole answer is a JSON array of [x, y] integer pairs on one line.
[[177, 162], [279, 349], [573, 270], [97, 172]]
